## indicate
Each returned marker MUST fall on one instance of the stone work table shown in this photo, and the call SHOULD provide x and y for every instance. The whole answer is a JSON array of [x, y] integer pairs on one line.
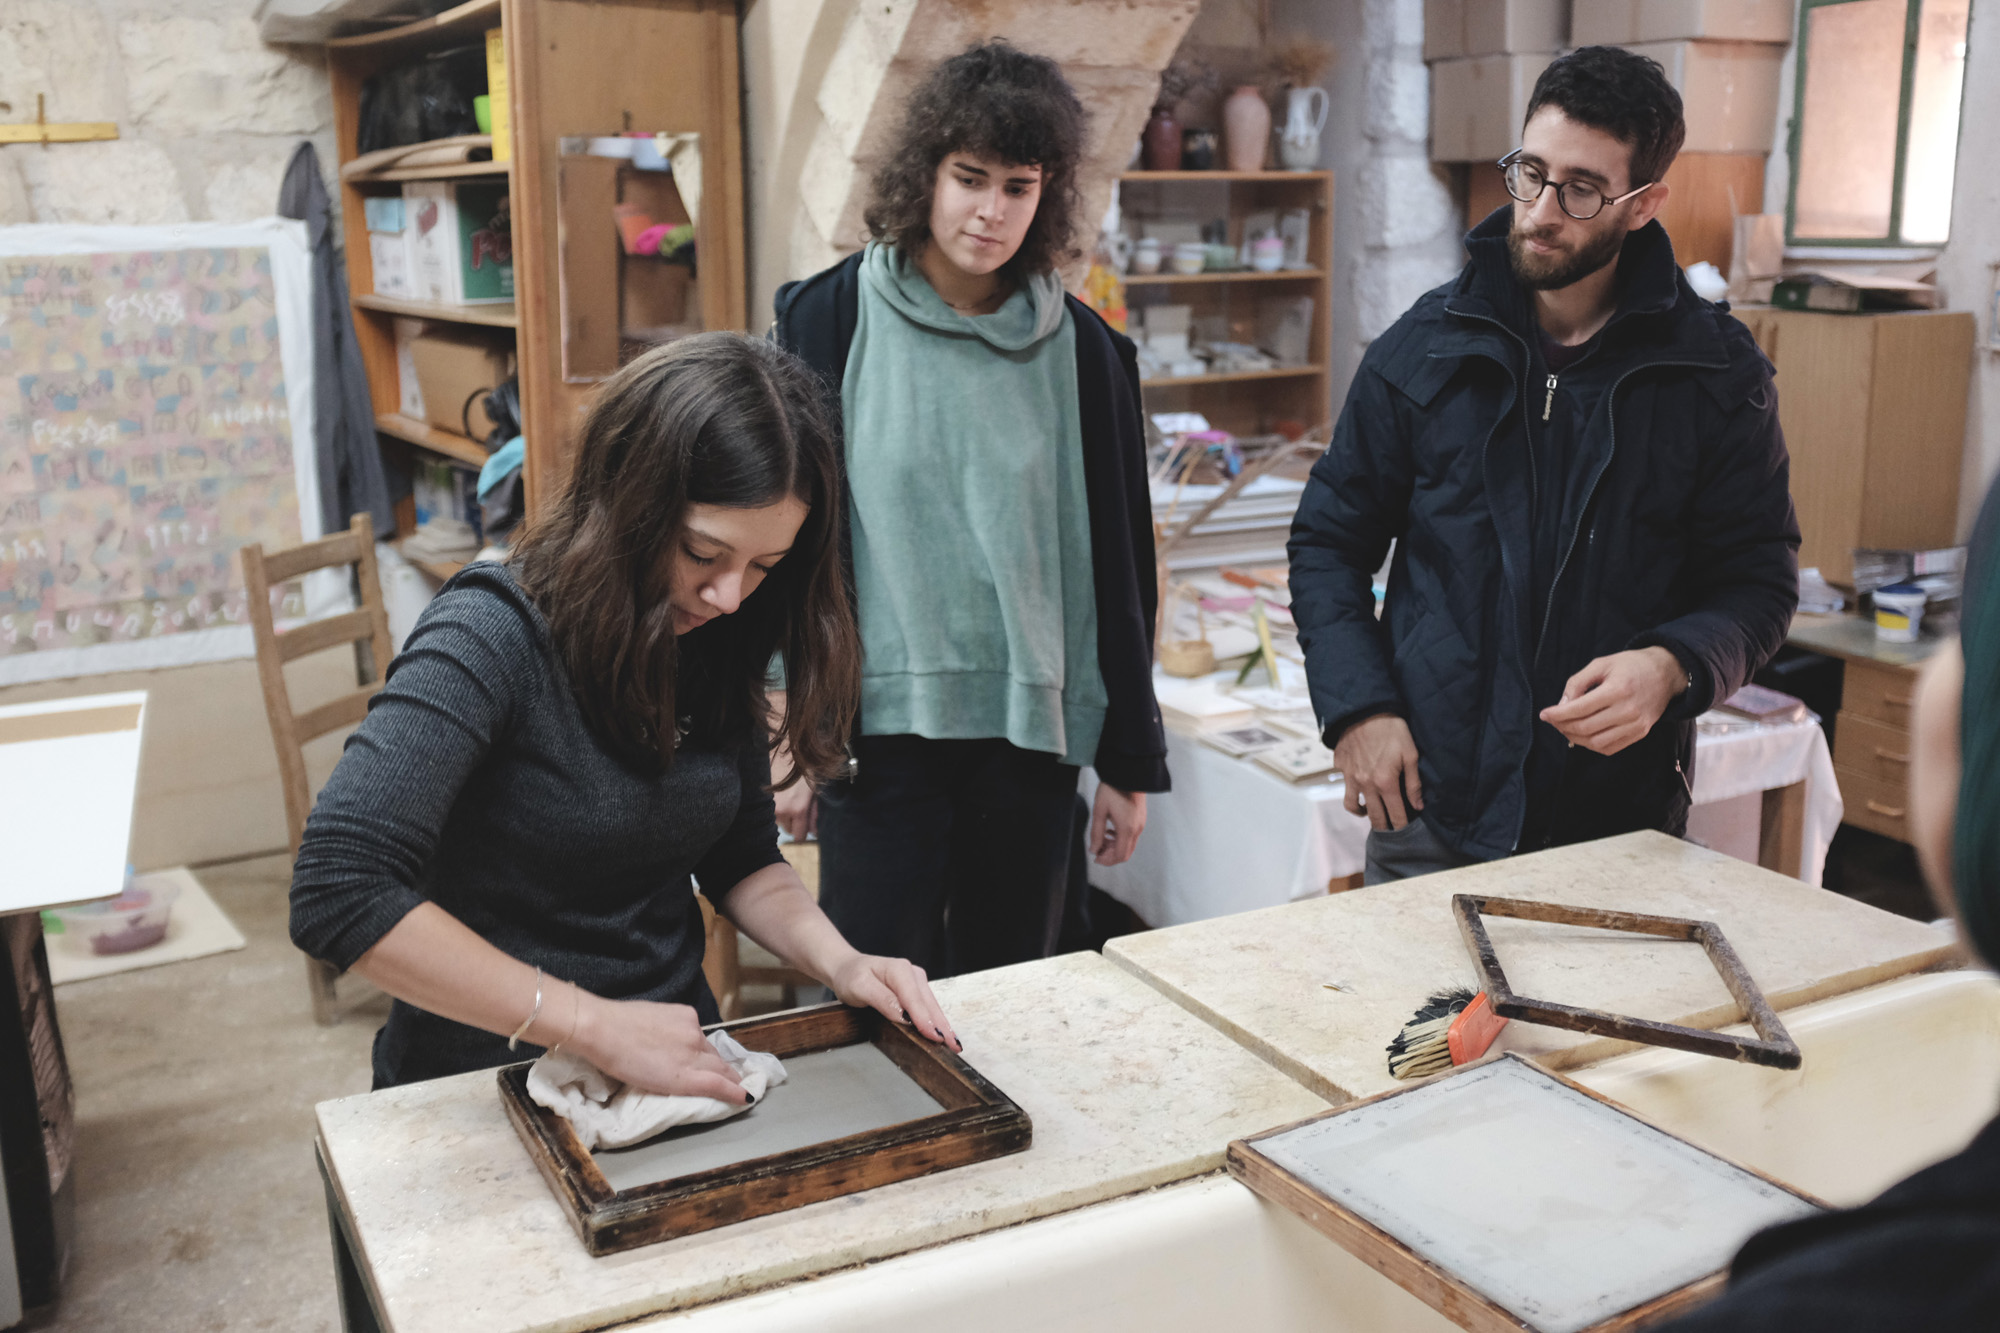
[[455, 1230], [1261, 976]]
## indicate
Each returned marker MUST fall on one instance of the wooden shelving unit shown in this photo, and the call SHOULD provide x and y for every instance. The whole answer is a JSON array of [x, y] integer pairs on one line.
[[437, 569], [450, 171], [492, 316], [450, 443], [575, 68], [1245, 402], [1231, 377], [1234, 275]]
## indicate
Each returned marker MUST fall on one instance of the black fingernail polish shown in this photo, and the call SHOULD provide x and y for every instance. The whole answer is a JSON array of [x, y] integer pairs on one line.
[[751, 1095]]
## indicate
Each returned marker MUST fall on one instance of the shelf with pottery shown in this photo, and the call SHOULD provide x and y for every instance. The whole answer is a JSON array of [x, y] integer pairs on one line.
[[1279, 176], [1227, 275], [1292, 395], [1230, 377]]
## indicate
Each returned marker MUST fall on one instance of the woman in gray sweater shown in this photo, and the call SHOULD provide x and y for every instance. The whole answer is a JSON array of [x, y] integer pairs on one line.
[[568, 742]]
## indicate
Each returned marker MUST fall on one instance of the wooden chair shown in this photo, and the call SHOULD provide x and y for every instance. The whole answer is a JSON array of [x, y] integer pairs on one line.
[[290, 730], [727, 973]]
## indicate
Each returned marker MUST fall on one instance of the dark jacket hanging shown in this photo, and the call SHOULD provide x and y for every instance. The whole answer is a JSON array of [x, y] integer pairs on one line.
[[348, 459]]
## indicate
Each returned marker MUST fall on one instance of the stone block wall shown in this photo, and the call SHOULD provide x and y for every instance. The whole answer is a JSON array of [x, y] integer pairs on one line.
[[825, 82], [207, 114]]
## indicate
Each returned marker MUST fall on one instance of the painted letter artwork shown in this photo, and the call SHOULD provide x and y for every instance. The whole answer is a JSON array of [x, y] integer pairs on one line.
[[144, 436]]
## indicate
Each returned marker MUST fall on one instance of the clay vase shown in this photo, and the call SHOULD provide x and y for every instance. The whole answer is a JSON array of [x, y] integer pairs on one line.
[[1162, 138], [1246, 122]]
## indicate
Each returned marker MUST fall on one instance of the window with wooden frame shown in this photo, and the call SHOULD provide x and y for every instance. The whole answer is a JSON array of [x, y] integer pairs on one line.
[[1874, 141]]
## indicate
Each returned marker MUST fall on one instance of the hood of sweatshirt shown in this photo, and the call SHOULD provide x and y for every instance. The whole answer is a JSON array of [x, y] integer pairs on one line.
[[1030, 313]]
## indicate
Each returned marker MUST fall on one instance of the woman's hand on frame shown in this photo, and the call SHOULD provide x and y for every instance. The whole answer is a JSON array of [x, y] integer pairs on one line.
[[654, 1047], [897, 989]]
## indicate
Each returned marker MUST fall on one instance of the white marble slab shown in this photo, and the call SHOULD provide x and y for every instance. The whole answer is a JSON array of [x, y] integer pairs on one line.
[[1262, 976], [1126, 1089]]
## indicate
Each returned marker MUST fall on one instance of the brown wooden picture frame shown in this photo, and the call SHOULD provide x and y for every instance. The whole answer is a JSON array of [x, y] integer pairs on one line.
[[978, 1122], [1436, 1287], [1772, 1047]]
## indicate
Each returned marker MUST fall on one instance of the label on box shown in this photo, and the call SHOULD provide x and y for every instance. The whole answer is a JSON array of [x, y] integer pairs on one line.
[[410, 392], [389, 259], [383, 213]]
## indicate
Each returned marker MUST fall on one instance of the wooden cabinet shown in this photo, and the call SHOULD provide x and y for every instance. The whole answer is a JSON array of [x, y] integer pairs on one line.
[[1873, 408], [576, 69]]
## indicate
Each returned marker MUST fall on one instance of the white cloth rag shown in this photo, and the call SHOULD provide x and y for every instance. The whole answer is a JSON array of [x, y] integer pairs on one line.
[[608, 1114]]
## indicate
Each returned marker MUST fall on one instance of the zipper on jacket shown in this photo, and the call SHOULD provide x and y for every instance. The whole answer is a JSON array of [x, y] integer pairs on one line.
[[1590, 495], [1549, 402]]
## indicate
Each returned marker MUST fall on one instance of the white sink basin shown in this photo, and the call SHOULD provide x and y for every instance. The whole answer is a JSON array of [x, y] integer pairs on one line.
[[1894, 1077]]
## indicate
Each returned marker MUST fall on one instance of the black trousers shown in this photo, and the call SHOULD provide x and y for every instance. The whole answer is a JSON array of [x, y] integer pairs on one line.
[[952, 854]]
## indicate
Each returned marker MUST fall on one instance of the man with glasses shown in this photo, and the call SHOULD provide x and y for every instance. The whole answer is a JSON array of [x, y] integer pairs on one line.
[[1579, 463]]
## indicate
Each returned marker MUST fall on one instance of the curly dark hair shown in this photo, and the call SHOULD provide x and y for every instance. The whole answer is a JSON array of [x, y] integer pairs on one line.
[[1624, 94], [993, 100]]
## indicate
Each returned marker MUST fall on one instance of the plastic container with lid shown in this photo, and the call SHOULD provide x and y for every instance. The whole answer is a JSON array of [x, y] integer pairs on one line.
[[1899, 611], [135, 919]]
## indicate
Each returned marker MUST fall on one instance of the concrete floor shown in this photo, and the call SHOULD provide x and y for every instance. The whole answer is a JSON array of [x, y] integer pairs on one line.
[[199, 1207]]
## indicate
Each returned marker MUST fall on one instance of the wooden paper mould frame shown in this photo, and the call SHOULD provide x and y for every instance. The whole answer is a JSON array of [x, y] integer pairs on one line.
[[1436, 1287], [978, 1122], [1773, 1046]]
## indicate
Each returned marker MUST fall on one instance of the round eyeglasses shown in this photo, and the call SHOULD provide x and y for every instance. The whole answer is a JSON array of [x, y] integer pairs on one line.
[[1579, 199]]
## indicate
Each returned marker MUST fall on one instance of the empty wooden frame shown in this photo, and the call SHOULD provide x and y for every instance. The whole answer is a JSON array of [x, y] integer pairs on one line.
[[1773, 1046], [977, 1122]]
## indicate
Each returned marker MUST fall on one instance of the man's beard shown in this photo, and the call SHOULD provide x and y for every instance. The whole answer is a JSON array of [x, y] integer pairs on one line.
[[1558, 269]]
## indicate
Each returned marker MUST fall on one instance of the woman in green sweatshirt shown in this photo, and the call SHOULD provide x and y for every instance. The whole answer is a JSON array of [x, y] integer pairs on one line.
[[998, 533]]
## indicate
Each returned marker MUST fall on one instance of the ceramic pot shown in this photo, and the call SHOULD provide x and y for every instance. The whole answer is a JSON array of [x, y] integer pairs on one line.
[[1163, 141], [1146, 255], [1198, 150], [1267, 254], [1305, 117], [1246, 120]]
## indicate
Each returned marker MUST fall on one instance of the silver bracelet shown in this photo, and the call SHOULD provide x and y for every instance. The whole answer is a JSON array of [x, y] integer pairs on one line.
[[533, 1014]]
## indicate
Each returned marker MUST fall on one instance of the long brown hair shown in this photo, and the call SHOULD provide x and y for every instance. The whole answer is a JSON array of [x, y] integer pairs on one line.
[[990, 100], [716, 419]]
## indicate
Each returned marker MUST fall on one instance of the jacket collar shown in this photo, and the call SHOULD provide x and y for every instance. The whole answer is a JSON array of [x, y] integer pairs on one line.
[[1658, 316]]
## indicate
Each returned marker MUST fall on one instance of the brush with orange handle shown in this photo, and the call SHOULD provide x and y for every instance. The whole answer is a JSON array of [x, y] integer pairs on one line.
[[1453, 1028]]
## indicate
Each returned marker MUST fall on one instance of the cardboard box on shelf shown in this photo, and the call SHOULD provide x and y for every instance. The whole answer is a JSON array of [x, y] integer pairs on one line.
[[460, 240], [454, 369], [1454, 29], [1477, 105], [1729, 92], [1623, 22]]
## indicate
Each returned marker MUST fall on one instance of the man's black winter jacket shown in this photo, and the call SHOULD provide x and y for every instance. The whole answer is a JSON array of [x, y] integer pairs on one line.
[[815, 319], [1677, 530]]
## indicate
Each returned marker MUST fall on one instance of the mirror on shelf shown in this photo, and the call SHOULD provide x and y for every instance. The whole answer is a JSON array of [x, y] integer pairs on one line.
[[628, 213]]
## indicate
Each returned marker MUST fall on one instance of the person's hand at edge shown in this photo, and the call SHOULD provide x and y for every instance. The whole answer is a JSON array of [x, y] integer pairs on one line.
[[653, 1047], [1377, 757], [1615, 700], [1117, 818]]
